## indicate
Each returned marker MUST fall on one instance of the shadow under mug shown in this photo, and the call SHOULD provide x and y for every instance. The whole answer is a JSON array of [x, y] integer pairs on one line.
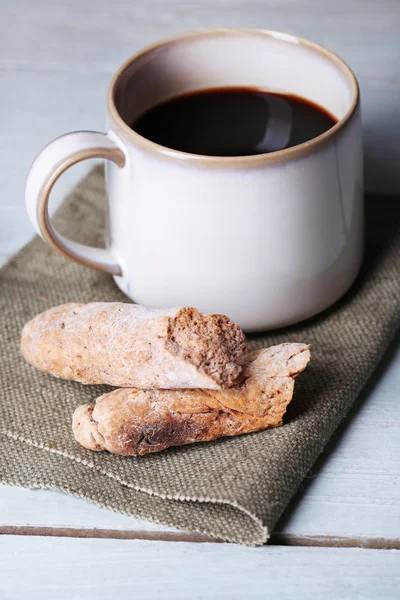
[[269, 239]]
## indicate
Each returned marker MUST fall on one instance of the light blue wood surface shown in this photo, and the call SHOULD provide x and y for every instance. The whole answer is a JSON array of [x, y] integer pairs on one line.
[[49, 568], [56, 60]]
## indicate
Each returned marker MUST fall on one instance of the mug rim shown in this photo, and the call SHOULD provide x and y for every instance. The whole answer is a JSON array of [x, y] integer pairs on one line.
[[277, 156]]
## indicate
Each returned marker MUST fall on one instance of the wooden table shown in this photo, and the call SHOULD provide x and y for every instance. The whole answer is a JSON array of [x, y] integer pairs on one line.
[[340, 537]]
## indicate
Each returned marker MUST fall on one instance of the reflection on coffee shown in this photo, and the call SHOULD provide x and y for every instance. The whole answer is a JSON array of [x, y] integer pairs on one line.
[[233, 121]]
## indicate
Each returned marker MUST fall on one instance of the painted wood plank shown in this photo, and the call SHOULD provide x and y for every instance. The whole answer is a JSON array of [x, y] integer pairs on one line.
[[48, 568], [58, 103], [74, 36], [352, 492], [23, 507]]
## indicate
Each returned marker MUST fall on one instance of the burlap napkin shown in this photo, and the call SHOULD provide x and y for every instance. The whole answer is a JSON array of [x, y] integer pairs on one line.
[[234, 489]]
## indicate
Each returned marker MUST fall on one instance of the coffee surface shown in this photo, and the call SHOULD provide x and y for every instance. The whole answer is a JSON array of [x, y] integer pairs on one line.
[[235, 121]]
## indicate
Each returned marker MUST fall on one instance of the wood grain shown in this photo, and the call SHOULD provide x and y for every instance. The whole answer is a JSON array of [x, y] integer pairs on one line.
[[102, 569], [29, 126], [160, 535]]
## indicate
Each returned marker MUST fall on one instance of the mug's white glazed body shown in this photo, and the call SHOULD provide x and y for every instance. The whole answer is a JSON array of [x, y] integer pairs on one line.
[[269, 239]]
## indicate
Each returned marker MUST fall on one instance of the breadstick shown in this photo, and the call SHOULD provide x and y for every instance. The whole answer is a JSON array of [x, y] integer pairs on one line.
[[127, 345], [135, 422]]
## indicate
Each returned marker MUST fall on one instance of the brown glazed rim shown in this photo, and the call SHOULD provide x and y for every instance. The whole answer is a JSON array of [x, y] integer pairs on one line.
[[235, 161]]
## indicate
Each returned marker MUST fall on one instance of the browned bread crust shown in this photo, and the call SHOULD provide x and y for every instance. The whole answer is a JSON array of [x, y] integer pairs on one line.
[[127, 345], [135, 422]]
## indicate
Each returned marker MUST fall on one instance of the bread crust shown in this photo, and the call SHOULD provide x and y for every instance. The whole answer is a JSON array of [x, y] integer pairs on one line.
[[135, 422], [127, 345]]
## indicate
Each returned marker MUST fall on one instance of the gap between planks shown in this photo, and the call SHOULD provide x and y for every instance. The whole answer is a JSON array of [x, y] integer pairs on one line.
[[277, 539]]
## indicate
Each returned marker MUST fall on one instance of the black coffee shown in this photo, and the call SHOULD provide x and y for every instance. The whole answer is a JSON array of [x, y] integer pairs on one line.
[[234, 121]]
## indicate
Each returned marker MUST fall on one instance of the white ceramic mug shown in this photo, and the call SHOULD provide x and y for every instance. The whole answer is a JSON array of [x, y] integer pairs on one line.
[[269, 239]]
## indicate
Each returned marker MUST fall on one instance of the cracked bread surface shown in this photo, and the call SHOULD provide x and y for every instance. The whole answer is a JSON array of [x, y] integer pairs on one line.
[[127, 345], [134, 422]]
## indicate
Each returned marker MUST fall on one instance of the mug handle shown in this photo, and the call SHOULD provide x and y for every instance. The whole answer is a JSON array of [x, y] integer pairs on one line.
[[49, 165]]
